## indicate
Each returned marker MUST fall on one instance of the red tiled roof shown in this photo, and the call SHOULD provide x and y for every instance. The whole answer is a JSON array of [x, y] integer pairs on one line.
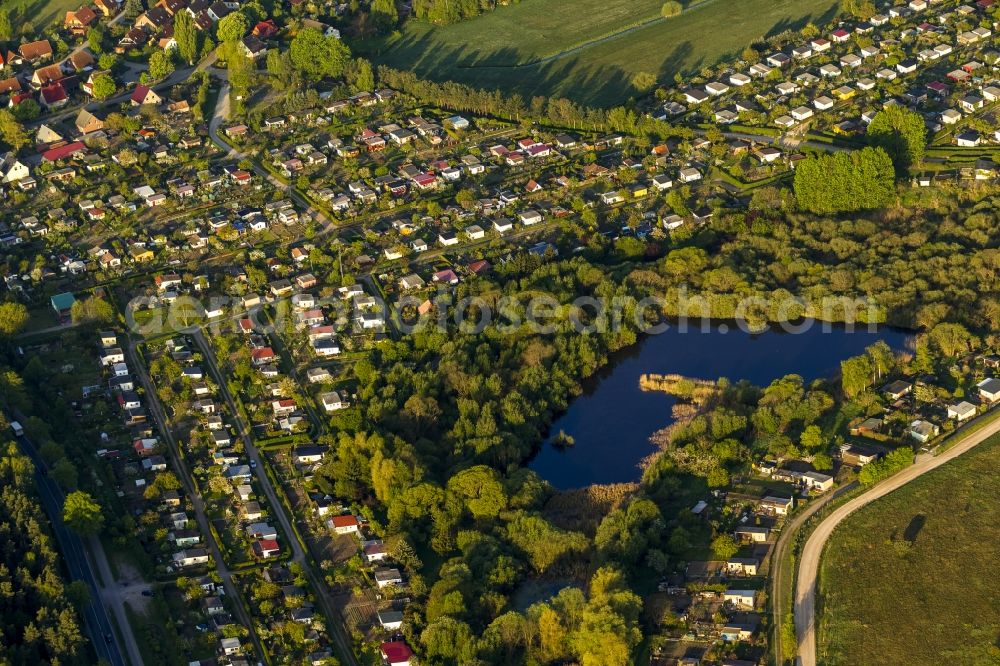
[[48, 74], [21, 97], [447, 275], [37, 49], [54, 93], [13, 84], [479, 266], [344, 521], [396, 652], [139, 94], [62, 152], [265, 29]]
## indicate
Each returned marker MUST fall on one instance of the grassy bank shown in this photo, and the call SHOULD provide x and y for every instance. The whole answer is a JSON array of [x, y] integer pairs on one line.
[[905, 580], [587, 50]]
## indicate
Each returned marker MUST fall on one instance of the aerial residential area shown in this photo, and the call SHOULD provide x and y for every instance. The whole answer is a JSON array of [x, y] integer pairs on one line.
[[448, 333]]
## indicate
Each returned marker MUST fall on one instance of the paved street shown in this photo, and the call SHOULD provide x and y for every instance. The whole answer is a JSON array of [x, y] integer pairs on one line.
[[777, 574], [97, 622]]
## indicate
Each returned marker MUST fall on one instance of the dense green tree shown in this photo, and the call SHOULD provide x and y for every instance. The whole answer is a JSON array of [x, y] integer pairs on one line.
[[104, 86], [364, 77], [161, 65], [893, 462], [109, 62], [671, 8], [384, 14], [449, 640], [92, 309], [317, 56], [13, 317], [133, 8], [643, 81], [901, 133], [232, 28], [626, 534], [822, 461], [64, 473], [186, 36], [480, 491], [40, 624], [724, 546], [856, 374], [544, 544], [951, 340], [11, 131], [82, 514], [845, 181], [6, 29], [95, 39], [279, 67], [811, 438], [27, 111]]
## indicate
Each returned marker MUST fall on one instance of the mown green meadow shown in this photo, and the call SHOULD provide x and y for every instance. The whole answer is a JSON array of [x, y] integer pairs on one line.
[[587, 50], [909, 579], [40, 13]]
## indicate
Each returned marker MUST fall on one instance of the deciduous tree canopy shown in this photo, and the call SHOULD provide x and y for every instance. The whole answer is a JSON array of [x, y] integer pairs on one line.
[[845, 181]]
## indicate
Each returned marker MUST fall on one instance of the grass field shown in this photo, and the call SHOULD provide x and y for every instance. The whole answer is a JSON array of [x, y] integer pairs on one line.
[[909, 579], [587, 50], [39, 12]]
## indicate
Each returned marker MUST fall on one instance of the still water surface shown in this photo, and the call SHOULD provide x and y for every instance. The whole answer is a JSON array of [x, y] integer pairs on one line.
[[611, 422]]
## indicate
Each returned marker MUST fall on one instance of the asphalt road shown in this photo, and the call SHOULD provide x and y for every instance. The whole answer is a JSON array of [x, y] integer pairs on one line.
[[97, 623], [805, 588]]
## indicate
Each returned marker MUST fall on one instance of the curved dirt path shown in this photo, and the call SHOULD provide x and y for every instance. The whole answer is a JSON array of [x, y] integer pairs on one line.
[[805, 588]]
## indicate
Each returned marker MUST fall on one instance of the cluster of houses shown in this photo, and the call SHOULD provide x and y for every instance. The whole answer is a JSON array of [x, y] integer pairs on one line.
[[224, 451], [296, 605], [933, 57], [139, 466], [31, 70], [924, 420], [720, 603], [157, 22], [383, 572], [189, 550]]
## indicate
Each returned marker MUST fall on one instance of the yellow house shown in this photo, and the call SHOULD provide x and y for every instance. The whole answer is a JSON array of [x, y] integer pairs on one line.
[[844, 93], [640, 191], [141, 254]]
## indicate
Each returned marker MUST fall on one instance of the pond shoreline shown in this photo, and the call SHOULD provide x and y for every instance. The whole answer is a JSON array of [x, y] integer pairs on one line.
[[612, 419]]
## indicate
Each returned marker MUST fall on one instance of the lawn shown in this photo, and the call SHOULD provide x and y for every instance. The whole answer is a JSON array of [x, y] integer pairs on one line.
[[908, 580], [587, 50], [40, 12]]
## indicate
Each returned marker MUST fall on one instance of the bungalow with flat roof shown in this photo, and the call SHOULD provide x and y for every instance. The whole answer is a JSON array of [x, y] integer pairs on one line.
[[961, 411], [740, 598], [897, 389], [752, 533], [989, 389], [923, 431]]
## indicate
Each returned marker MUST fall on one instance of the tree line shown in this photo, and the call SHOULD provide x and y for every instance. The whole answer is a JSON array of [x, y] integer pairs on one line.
[[38, 620]]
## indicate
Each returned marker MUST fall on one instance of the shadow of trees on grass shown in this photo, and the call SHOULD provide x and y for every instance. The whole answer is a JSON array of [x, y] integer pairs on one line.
[[572, 76]]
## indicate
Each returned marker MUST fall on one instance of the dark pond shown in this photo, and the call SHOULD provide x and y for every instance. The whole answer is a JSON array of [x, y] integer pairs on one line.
[[611, 422]]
